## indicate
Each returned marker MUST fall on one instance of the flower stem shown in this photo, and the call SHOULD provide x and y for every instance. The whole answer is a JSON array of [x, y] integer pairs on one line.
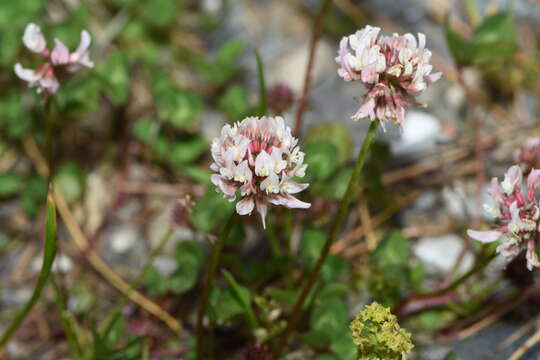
[[213, 264], [343, 206]]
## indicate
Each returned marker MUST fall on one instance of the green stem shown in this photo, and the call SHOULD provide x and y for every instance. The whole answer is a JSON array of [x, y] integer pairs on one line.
[[274, 241], [48, 260], [482, 264], [212, 267], [343, 206], [67, 320], [49, 144]]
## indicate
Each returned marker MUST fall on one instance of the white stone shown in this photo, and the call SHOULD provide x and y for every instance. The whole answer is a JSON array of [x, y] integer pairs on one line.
[[123, 238], [290, 69], [440, 253], [421, 131], [62, 263], [165, 265]]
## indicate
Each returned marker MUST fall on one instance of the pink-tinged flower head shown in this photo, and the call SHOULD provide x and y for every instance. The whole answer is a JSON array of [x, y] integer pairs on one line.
[[257, 159], [517, 212], [394, 69], [44, 77]]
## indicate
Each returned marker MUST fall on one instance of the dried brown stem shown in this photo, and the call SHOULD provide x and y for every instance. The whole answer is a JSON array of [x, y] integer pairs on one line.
[[317, 29]]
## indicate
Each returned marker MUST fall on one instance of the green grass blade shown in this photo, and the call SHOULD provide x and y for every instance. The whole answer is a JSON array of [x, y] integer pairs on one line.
[[263, 96], [243, 296], [48, 260], [67, 321]]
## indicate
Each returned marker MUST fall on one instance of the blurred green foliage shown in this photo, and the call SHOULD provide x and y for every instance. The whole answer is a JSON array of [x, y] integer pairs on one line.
[[189, 259], [493, 40]]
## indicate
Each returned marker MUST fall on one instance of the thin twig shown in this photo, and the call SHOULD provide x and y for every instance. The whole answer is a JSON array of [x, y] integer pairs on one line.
[[365, 218], [84, 246], [494, 315], [522, 330], [317, 29], [340, 245], [533, 340]]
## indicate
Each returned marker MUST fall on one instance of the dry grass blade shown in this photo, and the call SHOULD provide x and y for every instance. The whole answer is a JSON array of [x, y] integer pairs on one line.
[[533, 340], [82, 243]]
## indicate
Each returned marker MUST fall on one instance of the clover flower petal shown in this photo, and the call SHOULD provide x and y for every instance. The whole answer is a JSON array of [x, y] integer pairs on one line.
[[33, 38]]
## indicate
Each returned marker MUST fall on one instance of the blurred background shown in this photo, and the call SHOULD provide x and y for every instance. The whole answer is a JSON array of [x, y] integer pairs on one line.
[[131, 154]]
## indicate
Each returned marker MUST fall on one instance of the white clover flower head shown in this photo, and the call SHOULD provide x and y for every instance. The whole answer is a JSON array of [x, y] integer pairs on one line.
[[44, 77], [394, 69], [518, 211], [257, 159]]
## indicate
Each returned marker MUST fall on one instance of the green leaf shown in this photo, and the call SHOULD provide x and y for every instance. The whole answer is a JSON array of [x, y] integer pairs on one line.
[[450, 356], [155, 282], [162, 147], [330, 317], [242, 295], [223, 305], [496, 28], [70, 180], [79, 96], [488, 52], [13, 115], [394, 250], [145, 130], [158, 13], [180, 107], [10, 43], [430, 319], [35, 189], [11, 12], [197, 173], [115, 73], [210, 211], [333, 268], [460, 48], [344, 347], [321, 159], [234, 102], [331, 290], [311, 245], [223, 68], [335, 187], [10, 184], [334, 133], [229, 52], [48, 260], [69, 30], [263, 96], [188, 150], [283, 296], [189, 256]]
